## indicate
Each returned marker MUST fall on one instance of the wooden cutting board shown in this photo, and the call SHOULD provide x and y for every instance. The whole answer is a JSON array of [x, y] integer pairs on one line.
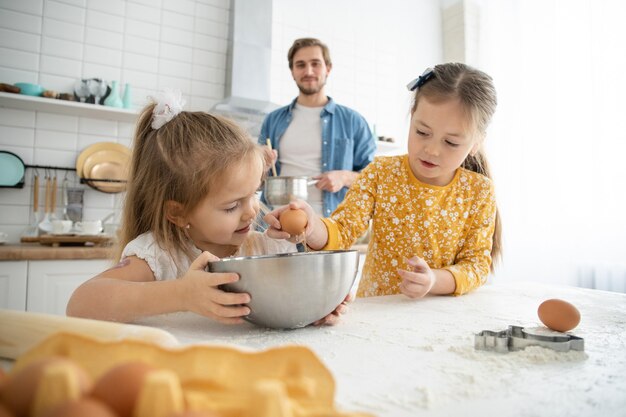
[[19, 331]]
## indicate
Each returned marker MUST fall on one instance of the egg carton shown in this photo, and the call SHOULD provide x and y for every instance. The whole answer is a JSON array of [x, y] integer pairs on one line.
[[518, 338], [66, 368]]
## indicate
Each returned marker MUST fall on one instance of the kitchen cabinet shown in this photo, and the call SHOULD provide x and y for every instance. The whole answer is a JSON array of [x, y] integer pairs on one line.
[[51, 283], [13, 285]]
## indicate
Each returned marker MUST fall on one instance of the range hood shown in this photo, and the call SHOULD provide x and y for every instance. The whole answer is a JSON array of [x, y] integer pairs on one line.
[[249, 64]]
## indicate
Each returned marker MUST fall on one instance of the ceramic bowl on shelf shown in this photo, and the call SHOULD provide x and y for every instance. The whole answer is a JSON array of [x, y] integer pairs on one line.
[[291, 290], [30, 89]]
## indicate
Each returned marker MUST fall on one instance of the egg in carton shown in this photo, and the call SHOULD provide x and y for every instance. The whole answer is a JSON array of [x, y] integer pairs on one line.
[[73, 375]]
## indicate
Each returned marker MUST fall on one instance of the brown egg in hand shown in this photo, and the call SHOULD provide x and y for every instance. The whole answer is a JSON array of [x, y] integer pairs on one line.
[[293, 221], [558, 315]]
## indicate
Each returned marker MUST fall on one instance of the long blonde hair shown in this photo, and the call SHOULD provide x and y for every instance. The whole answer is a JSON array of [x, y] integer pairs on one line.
[[182, 161], [477, 95]]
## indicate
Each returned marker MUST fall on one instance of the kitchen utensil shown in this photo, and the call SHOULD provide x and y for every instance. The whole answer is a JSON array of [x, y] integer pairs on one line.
[[64, 202], [291, 290], [33, 229], [53, 198], [282, 190], [518, 338], [30, 89], [11, 170], [45, 225], [19, 331], [75, 203], [269, 145]]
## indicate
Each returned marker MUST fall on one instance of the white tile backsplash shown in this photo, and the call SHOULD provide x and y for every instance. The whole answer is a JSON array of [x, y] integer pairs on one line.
[[31, 7], [62, 48], [176, 36], [139, 45], [102, 37], [144, 13], [54, 140], [65, 12], [17, 59], [16, 117], [16, 136], [187, 7], [176, 52], [177, 20], [64, 30], [115, 7], [106, 21], [106, 128], [141, 29], [28, 42], [61, 66], [20, 21], [58, 122], [106, 56]]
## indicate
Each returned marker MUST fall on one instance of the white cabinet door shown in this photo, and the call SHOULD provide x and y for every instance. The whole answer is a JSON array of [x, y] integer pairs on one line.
[[13, 279], [51, 283]]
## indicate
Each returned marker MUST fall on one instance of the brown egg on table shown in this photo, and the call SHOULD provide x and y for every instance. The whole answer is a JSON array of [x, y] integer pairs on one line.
[[18, 393], [293, 221], [558, 315], [85, 407], [119, 387]]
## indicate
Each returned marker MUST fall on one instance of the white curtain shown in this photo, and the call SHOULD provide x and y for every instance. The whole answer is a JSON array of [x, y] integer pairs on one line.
[[558, 141]]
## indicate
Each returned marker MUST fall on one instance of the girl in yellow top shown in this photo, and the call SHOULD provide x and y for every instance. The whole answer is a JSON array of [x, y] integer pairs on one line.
[[435, 227]]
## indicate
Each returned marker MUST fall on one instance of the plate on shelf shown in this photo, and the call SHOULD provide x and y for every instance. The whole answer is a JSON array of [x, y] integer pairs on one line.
[[11, 170]]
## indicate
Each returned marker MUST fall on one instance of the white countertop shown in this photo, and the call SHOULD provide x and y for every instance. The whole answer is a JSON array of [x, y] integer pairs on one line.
[[392, 356]]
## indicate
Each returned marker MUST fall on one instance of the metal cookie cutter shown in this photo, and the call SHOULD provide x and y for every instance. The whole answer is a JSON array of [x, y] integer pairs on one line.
[[518, 338]]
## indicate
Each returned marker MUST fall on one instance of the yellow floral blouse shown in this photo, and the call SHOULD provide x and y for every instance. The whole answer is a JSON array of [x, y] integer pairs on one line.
[[451, 227]]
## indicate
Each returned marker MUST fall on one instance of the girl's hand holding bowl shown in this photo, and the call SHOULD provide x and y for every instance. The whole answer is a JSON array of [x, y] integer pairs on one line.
[[201, 294]]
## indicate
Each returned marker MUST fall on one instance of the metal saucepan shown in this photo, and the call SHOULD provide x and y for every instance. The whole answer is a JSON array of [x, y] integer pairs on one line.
[[279, 190]]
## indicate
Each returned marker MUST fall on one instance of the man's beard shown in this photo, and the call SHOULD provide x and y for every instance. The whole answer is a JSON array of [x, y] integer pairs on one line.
[[311, 91]]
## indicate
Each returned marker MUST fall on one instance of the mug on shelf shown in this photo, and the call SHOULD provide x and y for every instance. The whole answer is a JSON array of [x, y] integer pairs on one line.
[[4, 237], [60, 227], [89, 227]]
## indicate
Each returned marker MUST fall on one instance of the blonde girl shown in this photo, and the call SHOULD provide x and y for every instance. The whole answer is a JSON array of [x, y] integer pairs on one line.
[[191, 199], [435, 226]]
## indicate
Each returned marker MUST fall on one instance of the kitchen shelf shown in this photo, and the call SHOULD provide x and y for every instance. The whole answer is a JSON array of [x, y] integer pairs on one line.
[[72, 108]]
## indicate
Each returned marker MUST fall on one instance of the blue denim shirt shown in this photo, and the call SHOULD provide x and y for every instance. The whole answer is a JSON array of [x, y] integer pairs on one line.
[[347, 142]]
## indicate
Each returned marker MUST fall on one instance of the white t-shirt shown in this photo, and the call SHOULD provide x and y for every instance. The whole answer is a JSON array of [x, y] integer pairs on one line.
[[166, 265], [300, 149]]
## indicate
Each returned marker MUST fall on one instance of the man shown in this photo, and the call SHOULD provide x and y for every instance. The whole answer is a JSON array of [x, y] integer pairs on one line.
[[314, 136]]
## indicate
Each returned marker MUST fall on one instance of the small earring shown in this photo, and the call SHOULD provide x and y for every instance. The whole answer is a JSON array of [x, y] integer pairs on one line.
[[188, 226]]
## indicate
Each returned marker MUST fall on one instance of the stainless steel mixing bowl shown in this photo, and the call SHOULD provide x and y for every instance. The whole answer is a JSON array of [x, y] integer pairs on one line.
[[291, 290], [279, 190]]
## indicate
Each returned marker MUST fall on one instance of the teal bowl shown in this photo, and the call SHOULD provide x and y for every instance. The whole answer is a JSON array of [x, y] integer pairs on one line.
[[30, 89]]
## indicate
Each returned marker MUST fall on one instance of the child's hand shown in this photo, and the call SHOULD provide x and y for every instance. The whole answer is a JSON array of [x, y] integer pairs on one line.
[[201, 294], [333, 318], [418, 282], [275, 229]]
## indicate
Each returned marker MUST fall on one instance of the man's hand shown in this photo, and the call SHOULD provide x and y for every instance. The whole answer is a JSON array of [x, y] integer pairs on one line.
[[334, 181]]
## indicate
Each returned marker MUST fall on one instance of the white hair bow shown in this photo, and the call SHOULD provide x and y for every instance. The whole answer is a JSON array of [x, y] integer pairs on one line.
[[169, 103]]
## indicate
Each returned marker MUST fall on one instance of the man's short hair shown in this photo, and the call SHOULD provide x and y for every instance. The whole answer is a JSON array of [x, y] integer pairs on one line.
[[306, 42]]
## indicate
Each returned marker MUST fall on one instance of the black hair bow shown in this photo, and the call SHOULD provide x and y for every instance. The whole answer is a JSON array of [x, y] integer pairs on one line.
[[421, 80]]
